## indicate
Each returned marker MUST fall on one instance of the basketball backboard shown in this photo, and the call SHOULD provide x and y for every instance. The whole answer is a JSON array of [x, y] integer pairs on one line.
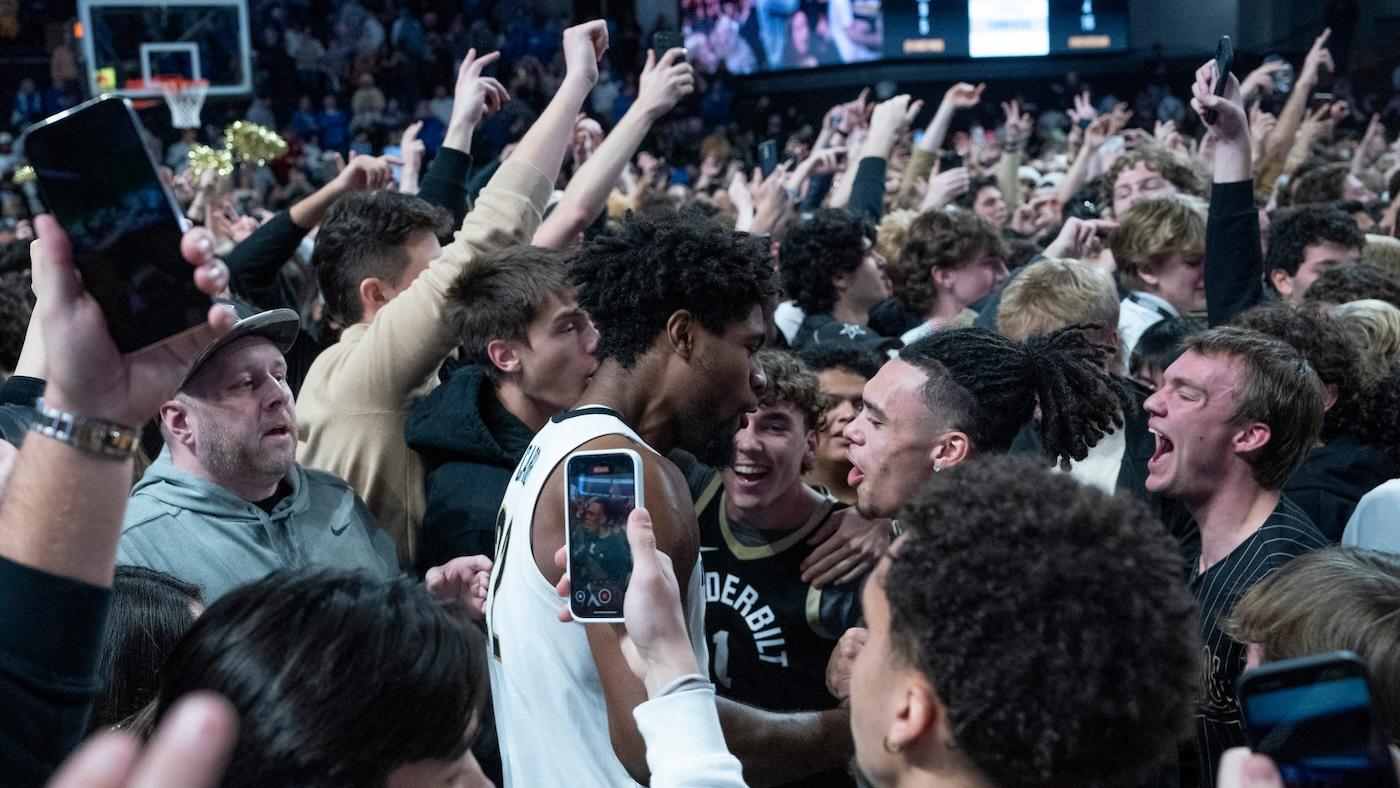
[[127, 42]]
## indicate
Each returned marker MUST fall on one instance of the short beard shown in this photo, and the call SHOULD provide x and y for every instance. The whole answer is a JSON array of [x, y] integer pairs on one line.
[[713, 447], [224, 457]]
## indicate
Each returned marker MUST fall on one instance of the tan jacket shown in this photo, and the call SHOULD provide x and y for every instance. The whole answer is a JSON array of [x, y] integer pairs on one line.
[[352, 407]]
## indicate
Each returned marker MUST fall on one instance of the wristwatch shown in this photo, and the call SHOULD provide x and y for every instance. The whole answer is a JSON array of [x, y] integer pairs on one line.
[[90, 435]]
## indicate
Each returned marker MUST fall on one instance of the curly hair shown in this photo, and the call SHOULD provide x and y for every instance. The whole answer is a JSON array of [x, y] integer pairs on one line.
[[632, 277], [989, 386], [1051, 621], [363, 236], [847, 358], [1293, 230], [1327, 346], [1169, 165], [1382, 414], [816, 250], [789, 381], [1324, 184], [1352, 283], [939, 239]]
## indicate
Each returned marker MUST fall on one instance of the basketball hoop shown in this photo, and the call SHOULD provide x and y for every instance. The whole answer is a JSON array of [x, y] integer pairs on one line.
[[185, 97]]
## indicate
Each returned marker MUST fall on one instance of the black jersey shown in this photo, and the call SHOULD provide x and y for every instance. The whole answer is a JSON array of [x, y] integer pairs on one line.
[[770, 634], [1286, 534]]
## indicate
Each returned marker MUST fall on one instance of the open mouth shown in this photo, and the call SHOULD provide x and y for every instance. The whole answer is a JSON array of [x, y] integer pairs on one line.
[[750, 474], [855, 476], [1164, 447], [278, 431]]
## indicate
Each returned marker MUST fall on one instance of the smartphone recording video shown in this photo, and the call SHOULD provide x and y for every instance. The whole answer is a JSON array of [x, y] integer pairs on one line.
[[603, 488], [98, 179], [1315, 718]]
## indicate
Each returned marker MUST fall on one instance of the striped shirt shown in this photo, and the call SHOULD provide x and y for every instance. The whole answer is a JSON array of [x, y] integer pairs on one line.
[[1287, 534]]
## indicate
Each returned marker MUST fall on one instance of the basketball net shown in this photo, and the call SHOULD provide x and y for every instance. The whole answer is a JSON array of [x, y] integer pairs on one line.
[[185, 97]]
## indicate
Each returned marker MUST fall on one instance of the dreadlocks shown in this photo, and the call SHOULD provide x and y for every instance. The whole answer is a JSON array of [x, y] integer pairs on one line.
[[990, 386]]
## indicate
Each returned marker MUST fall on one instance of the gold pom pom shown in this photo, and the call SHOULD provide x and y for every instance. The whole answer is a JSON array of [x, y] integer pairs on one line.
[[253, 144], [203, 158], [23, 175]]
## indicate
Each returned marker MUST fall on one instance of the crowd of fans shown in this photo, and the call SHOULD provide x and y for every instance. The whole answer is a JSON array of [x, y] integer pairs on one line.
[[974, 453]]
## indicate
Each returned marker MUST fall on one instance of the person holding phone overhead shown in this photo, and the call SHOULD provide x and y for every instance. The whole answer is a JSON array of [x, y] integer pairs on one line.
[[679, 306]]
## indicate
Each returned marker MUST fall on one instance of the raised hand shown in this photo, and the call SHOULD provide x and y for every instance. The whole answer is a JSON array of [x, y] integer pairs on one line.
[[412, 151], [584, 46], [945, 187], [1018, 124], [890, 118], [772, 205], [86, 373], [1079, 238], [664, 83], [473, 98], [365, 173], [1318, 58], [1230, 124], [588, 135], [1083, 111], [964, 95], [1260, 81]]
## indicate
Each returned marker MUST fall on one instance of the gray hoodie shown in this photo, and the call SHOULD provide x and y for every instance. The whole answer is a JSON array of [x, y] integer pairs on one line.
[[204, 534]]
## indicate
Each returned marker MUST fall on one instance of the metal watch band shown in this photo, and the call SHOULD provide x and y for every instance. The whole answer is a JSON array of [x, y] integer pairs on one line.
[[90, 435]]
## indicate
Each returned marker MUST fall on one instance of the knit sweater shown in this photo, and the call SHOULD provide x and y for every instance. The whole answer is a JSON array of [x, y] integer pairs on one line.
[[352, 408]]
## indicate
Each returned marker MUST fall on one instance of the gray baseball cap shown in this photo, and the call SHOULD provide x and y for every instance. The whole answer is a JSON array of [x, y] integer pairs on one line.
[[281, 326]]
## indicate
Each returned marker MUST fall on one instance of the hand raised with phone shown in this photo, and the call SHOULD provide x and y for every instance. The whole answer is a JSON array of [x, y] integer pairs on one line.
[[87, 375]]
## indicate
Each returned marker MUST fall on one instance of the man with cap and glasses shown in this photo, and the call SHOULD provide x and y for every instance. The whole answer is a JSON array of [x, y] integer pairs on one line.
[[226, 503]]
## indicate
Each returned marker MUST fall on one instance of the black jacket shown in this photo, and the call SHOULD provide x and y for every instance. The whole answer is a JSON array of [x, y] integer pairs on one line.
[[470, 445], [1334, 477], [1234, 259], [51, 631]]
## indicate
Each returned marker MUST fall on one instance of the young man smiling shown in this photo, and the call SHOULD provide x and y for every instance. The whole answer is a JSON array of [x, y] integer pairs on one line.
[[769, 632]]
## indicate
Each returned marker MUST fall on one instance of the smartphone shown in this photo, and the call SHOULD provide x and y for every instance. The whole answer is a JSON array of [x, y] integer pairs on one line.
[[1319, 100], [602, 489], [98, 179], [949, 160], [767, 157], [663, 41], [395, 169], [1224, 61], [1314, 716], [1283, 78]]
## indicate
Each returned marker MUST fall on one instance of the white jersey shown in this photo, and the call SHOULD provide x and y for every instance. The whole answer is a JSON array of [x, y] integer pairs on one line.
[[551, 716]]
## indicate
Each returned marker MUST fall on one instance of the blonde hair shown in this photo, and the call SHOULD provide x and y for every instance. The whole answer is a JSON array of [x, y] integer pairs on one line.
[[1374, 327], [1155, 228], [1052, 294], [893, 229], [1383, 252]]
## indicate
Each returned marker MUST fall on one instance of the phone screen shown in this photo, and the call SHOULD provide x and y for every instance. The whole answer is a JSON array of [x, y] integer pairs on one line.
[[396, 169], [767, 157], [602, 492], [98, 179], [1320, 734]]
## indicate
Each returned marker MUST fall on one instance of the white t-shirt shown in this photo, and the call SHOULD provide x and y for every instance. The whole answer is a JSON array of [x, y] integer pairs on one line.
[[1138, 312]]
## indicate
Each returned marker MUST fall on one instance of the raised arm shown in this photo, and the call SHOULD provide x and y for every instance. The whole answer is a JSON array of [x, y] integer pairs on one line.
[[1268, 169], [1234, 266], [925, 154], [662, 85], [408, 338], [61, 513]]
